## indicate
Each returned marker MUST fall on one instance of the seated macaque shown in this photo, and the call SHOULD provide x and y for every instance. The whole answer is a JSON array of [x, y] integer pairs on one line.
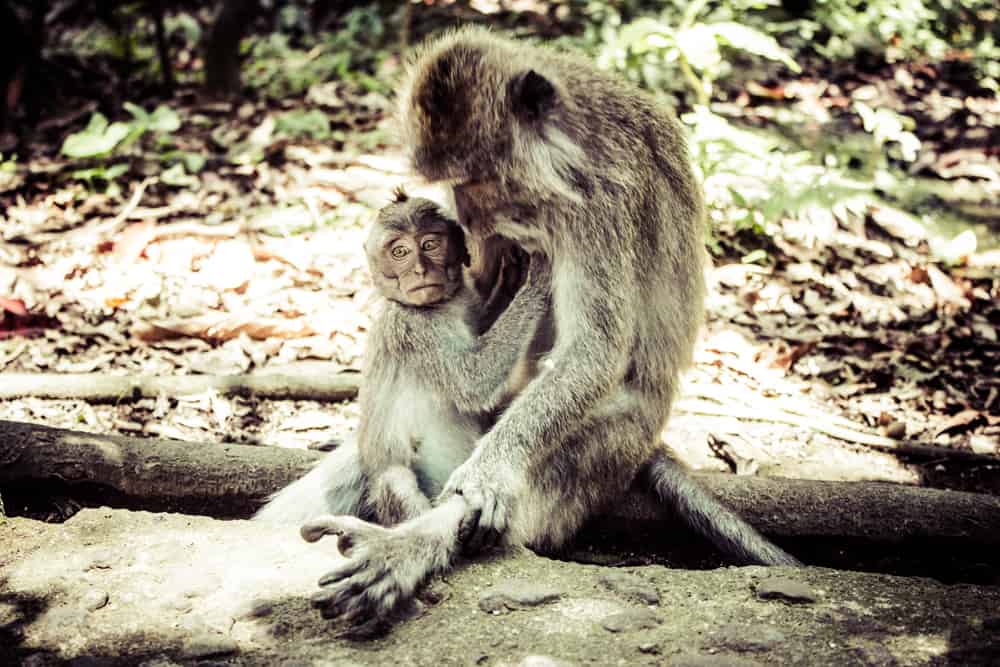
[[431, 384]]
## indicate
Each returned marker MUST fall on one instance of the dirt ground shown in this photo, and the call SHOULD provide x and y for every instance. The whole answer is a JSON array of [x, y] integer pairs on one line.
[[112, 587]]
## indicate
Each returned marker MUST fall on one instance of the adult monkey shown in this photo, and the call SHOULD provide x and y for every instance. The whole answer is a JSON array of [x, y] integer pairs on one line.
[[544, 149]]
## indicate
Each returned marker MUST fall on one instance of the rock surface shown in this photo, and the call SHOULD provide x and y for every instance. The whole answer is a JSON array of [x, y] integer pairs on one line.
[[113, 587]]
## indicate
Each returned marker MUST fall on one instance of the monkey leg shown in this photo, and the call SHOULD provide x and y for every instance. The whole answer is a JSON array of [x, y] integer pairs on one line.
[[593, 469], [335, 486], [396, 496], [385, 567]]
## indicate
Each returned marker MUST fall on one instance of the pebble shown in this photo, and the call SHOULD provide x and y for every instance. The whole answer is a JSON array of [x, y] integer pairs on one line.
[[512, 595], [630, 586], [207, 646], [783, 588], [748, 637], [542, 661], [633, 619], [695, 660], [94, 600]]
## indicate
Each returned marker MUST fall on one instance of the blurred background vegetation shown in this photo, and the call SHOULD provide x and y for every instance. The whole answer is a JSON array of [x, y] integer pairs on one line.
[[795, 106], [184, 187]]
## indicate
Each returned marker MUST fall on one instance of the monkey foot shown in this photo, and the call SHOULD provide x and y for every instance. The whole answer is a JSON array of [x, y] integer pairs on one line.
[[384, 570]]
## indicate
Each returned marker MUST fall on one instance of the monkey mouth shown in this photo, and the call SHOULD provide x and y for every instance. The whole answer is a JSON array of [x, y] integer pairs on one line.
[[420, 288]]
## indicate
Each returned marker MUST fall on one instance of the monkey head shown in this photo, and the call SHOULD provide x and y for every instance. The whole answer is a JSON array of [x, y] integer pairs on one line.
[[473, 110], [415, 252]]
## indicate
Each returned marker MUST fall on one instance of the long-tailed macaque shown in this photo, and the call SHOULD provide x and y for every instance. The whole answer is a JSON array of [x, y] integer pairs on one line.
[[431, 382], [577, 165]]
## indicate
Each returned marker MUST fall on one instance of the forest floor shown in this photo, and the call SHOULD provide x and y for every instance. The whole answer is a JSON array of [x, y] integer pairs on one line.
[[851, 339], [844, 342]]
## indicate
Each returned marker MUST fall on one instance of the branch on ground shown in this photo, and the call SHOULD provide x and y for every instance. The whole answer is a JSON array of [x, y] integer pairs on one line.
[[225, 480], [100, 387]]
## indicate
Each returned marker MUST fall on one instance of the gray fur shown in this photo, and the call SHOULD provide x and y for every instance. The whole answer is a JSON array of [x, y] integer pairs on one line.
[[335, 486], [547, 151], [430, 385]]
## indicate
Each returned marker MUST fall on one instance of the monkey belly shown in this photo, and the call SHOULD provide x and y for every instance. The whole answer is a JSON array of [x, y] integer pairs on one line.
[[441, 437]]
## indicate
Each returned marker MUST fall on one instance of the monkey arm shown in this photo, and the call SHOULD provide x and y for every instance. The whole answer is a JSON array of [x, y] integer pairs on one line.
[[476, 374], [595, 310]]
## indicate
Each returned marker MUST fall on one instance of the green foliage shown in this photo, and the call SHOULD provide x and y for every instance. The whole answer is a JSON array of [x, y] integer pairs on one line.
[[890, 129], [279, 68], [651, 50], [906, 29], [312, 124], [753, 178], [102, 177], [100, 138]]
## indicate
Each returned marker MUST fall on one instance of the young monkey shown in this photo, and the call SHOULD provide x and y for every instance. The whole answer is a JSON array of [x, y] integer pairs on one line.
[[431, 383]]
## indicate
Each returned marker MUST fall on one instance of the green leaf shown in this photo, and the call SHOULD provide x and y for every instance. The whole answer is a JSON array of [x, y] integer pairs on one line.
[[644, 35], [176, 176], [699, 47], [164, 119], [753, 41], [138, 113], [97, 139], [102, 173], [313, 124]]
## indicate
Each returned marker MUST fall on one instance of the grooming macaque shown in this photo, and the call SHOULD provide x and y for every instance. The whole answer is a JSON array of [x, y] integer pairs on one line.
[[546, 150], [431, 383]]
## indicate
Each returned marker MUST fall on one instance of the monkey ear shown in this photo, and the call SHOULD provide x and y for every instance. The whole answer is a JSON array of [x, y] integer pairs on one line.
[[533, 95]]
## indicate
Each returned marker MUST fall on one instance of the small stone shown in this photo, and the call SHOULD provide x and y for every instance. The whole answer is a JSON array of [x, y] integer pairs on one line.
[[101, 560], [259, 609], [516, 595], [650, 645], [783, 588], [94, 600], [542, 661], [896, 430], [748, 637], [633, 619], [695, 660], [630, 586], [208, 646]]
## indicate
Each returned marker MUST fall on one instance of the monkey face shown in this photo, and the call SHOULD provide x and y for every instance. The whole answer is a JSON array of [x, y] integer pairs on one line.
[[415, 253]]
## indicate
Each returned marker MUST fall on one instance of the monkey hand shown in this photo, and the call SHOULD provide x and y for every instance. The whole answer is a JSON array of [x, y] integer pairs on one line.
[[384, 569], [489, 495]]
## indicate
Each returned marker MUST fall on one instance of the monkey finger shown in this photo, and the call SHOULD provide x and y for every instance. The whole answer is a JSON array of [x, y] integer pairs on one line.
[[498, 526], [313, 531], [348, 569], [470, 520], [478, 538]]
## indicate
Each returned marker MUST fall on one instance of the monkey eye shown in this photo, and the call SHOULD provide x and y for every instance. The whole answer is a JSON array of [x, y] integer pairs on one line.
[[427, 245], [399, 252]]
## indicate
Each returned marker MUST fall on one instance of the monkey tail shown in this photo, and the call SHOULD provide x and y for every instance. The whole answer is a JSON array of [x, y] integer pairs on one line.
[[335, 486], [705, 514]]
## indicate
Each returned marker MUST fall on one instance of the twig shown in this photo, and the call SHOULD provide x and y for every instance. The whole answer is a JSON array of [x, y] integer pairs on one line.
[[829, 427]]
